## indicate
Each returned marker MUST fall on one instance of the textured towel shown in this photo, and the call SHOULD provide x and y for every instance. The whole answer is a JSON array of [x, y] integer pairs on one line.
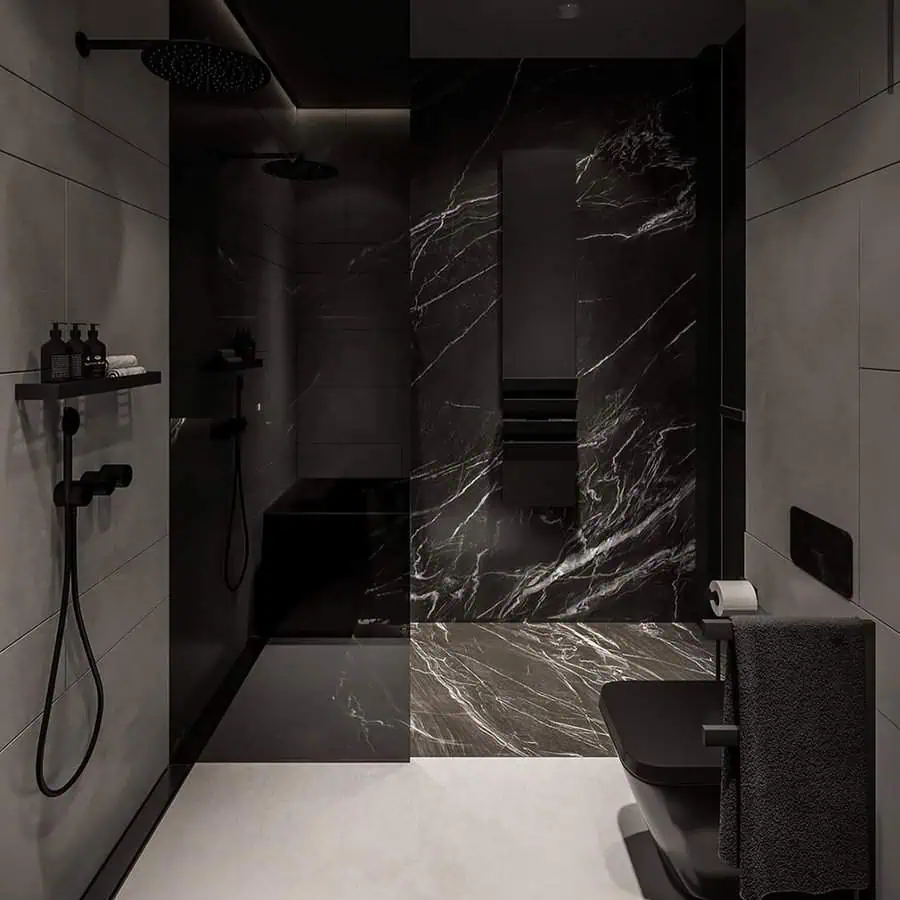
[[125, 361], [794, 810], [122, 372]]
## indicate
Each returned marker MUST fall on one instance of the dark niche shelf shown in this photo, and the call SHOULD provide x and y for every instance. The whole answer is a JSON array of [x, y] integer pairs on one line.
[[63, 390], [219, 366]]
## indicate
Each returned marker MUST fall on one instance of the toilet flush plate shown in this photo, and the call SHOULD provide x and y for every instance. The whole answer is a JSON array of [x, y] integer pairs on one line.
[[822, 550]]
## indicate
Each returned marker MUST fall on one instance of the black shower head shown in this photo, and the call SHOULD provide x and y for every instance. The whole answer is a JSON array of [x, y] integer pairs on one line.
[[299, 168], [196, 65]]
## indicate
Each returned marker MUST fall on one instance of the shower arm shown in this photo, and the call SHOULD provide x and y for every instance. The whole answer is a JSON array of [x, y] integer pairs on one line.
[[85, 44]]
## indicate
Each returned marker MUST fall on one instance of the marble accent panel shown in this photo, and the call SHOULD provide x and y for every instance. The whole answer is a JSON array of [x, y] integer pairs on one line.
[[628, 552]]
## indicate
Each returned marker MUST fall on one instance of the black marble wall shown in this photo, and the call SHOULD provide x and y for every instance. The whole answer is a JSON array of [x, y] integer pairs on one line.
[[628, 552]]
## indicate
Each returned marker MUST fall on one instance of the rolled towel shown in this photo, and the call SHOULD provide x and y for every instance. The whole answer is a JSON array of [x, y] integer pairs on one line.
[[128, 370], [124, 361]]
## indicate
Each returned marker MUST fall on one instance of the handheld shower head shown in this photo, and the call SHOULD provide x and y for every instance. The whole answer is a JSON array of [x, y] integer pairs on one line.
[[198, 66]]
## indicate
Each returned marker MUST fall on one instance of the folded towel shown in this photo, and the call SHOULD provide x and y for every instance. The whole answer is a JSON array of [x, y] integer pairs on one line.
[[125, 361], [794, 812], [129, 370]]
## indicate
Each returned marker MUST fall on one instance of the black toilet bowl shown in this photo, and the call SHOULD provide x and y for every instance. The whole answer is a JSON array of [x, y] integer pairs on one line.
[[675, 779]]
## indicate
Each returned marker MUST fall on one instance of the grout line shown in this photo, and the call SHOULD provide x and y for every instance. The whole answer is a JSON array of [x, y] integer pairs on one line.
[[857, 544], [84, 116], [824, 190], [66, 182], [90, 187], [871, 615], [83, 592], [85, 674], [816, 128], [887, 718]]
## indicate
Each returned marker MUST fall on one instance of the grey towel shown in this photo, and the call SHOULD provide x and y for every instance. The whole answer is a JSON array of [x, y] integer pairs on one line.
[[794, 806]]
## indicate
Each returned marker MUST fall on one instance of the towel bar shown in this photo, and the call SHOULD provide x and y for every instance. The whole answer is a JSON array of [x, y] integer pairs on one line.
[[720, 735], [717, 629]]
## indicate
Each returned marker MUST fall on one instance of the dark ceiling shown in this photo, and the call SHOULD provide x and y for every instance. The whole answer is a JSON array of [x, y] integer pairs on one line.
[[356, 53], [333, 53]]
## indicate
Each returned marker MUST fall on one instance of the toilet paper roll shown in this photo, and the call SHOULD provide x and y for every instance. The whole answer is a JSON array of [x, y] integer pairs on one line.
[[730, 597]]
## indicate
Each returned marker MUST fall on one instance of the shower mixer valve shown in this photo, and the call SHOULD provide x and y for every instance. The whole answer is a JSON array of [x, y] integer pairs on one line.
[[95, 483]]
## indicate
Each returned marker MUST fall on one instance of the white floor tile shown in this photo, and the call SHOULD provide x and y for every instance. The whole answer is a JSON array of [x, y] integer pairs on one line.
[[473, 828]]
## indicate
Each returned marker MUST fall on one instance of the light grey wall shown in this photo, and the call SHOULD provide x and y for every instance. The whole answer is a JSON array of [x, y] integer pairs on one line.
[[84, 235], [823, 326]]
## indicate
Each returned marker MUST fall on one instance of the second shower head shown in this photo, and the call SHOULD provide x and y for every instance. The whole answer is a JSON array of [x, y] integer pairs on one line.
[[299, 168]]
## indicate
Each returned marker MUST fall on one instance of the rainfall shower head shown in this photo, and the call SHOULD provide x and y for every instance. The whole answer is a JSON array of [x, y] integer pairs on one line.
[[299, 168], [196, 65]]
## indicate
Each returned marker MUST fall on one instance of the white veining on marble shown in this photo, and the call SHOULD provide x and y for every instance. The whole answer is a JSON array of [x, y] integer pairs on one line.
[[532, 689], [472, 559]]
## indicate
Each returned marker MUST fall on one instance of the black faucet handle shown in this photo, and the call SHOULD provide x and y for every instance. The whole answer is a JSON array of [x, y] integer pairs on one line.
[[103, 481], [120, 476]]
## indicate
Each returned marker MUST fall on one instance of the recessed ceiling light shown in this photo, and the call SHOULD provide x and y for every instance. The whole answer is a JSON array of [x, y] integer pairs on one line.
[[569, 10]]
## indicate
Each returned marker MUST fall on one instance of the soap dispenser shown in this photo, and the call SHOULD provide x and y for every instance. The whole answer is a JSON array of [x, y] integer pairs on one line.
[[95, 354], [76, 352], [55, 364]]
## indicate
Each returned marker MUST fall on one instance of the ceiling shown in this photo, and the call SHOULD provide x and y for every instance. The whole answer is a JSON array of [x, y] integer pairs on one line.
[[356, 53], [333, 53], [491, 29]]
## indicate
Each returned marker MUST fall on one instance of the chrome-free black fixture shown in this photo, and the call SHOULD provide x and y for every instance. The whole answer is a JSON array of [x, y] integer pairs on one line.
[[293, 166], [199, 66], [70, 494], [233, 429], [299, 168]]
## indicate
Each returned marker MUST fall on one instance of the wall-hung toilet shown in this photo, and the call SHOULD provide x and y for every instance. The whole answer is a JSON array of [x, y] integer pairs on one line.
[[656, 727]]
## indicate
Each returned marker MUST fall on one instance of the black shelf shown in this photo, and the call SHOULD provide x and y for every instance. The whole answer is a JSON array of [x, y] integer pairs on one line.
[[219, 366], [64, 390]]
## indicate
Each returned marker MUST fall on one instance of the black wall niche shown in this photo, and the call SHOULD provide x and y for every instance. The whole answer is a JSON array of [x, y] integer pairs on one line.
[[537, 323], [628, 551]]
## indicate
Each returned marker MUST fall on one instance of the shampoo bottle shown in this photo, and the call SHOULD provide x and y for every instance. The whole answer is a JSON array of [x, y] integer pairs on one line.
[[55, 357], [95, 354], [76, 352]]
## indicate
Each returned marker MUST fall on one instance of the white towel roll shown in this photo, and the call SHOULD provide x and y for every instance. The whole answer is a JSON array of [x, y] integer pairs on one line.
[[125, 361], [128, 370]]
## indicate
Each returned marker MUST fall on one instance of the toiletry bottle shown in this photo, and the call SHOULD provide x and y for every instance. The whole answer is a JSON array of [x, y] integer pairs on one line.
[[95, 354], [76, 352], [55, 357]]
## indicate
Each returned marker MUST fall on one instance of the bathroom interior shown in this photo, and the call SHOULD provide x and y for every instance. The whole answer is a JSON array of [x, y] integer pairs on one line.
[[451, 448]]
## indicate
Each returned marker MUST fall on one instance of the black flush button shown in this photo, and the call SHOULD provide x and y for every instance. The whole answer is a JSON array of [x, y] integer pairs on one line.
[[822, 550]]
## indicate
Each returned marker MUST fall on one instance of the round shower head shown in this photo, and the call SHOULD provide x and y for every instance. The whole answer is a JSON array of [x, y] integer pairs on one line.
[[206, 68], [196, 65], [298, 168]]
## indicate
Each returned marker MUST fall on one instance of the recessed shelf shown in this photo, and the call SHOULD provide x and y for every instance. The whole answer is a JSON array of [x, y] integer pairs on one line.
[[219, 366], [64, 390]]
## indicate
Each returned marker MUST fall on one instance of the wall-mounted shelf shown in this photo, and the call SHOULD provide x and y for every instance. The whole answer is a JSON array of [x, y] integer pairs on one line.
[[64, 390], [218, 366]]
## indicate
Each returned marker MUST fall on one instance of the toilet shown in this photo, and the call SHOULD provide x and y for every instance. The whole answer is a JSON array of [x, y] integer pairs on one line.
[[656, 729]]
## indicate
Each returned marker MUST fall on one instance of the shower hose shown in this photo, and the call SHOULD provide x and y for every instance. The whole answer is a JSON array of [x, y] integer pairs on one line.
[[237, 499], [70, 583]]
